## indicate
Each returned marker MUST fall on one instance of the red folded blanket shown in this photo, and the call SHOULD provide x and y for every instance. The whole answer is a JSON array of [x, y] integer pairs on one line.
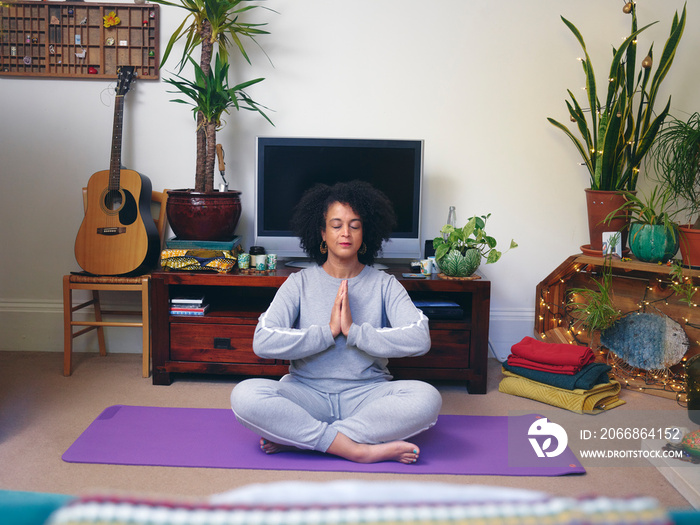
[[550, 357]]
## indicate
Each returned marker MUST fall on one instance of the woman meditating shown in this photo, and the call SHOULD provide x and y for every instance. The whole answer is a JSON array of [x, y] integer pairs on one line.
[[338, 323]]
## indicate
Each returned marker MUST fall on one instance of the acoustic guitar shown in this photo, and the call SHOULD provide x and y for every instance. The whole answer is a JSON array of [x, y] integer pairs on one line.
[[118, 235]]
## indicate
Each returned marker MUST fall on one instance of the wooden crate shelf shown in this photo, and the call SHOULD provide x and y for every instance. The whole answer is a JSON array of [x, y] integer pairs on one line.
[[69, 40], [636, 286]]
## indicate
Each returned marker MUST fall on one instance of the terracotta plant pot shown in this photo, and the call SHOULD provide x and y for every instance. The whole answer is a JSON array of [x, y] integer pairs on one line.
[[599, 205], [690, 246], [653, 243], [209, 216]]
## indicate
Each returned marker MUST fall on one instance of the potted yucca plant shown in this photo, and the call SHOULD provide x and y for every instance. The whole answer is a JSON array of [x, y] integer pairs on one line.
[[202, 213]]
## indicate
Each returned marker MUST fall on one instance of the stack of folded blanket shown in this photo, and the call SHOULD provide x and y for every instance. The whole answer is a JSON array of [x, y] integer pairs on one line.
[[561, 375]]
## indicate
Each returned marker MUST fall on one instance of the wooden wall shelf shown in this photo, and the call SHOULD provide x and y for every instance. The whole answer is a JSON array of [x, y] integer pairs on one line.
[[69, 40]]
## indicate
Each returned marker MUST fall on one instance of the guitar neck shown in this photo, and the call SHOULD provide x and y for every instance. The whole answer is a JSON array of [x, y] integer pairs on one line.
[[115, 162]]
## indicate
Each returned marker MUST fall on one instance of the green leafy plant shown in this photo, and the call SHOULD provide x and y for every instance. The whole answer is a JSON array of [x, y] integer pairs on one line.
[[596, 311], [622, 128], [211, 97], [653, 210], [676, 155], [682, 285], [210, 22], [470, 237]]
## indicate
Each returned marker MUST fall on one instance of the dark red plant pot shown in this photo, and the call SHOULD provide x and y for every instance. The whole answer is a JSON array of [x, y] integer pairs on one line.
[[211, 216]]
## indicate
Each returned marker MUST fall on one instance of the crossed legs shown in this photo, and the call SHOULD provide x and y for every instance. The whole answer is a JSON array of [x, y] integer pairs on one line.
[[366, 424]]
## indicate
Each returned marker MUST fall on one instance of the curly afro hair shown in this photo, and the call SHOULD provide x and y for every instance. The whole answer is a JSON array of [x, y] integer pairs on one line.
[[374, 208]]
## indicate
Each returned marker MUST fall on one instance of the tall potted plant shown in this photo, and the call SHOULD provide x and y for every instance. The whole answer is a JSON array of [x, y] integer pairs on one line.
[[616, 134], [202, 213], [676, 155]]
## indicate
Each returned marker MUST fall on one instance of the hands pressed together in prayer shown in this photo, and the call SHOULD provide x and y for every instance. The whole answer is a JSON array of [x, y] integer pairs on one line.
[[341, 317]]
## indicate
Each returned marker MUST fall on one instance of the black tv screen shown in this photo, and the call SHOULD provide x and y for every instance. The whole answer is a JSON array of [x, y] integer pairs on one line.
[[287, 167]]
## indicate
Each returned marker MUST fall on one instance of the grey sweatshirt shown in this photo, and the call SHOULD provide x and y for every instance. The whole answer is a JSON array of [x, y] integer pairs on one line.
[[385, 324]]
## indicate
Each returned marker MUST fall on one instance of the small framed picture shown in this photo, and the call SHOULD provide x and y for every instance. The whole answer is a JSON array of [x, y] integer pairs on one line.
[[612, 244]]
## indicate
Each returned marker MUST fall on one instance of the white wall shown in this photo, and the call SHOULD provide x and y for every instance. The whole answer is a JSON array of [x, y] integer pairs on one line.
[[474, 79]]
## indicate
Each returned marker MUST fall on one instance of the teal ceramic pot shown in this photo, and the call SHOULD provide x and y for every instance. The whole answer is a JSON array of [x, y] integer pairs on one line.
[[454, 264], [653, 243]]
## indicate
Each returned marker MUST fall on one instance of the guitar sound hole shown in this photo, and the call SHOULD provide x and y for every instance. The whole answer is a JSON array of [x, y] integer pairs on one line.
[[113, 200]]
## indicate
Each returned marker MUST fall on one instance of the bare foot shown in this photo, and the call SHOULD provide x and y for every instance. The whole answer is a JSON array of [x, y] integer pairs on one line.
[[343, 446], [269, 447], [401, 451]]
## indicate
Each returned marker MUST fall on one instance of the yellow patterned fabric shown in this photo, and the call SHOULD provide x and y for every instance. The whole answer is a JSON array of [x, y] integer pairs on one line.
[[600, 397], [193, 260]]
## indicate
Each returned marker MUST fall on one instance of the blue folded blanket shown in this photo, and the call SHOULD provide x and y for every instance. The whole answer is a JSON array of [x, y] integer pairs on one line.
[[590, 375]]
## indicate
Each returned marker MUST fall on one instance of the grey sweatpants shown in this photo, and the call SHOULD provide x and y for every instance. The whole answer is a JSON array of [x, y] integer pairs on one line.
[[289, 412]]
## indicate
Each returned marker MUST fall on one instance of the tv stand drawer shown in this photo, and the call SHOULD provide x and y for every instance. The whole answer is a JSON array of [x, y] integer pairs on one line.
[[448, 349], [221, 343]]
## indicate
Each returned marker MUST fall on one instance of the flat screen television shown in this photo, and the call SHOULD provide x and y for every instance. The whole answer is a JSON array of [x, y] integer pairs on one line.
[[286, 167]]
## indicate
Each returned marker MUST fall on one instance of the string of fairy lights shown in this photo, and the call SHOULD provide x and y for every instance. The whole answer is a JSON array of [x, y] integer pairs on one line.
[[656, 295]]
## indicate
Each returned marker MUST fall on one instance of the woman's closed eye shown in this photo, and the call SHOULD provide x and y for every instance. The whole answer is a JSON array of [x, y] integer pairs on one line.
[[355, 225]]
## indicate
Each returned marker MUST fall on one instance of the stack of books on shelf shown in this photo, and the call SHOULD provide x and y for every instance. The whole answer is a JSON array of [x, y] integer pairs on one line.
[[188, 306]]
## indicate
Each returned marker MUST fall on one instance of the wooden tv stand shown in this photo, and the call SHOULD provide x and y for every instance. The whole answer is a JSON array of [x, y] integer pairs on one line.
[[220, 342]]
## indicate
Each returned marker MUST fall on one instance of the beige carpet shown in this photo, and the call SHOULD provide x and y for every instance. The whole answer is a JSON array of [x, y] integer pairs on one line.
[[42, 413]]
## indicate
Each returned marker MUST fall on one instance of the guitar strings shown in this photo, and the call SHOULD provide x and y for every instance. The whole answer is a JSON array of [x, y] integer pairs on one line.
[[108, 99]]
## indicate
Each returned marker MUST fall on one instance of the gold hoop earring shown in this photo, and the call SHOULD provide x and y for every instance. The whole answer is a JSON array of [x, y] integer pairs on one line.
[[363, 249], [323, 248]]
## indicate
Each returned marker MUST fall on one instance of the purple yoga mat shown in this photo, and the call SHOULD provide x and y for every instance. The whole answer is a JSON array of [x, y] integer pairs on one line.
[[211, 437]]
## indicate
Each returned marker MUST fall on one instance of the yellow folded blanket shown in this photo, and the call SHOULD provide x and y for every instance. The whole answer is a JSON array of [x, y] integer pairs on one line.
[[600, 397]]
